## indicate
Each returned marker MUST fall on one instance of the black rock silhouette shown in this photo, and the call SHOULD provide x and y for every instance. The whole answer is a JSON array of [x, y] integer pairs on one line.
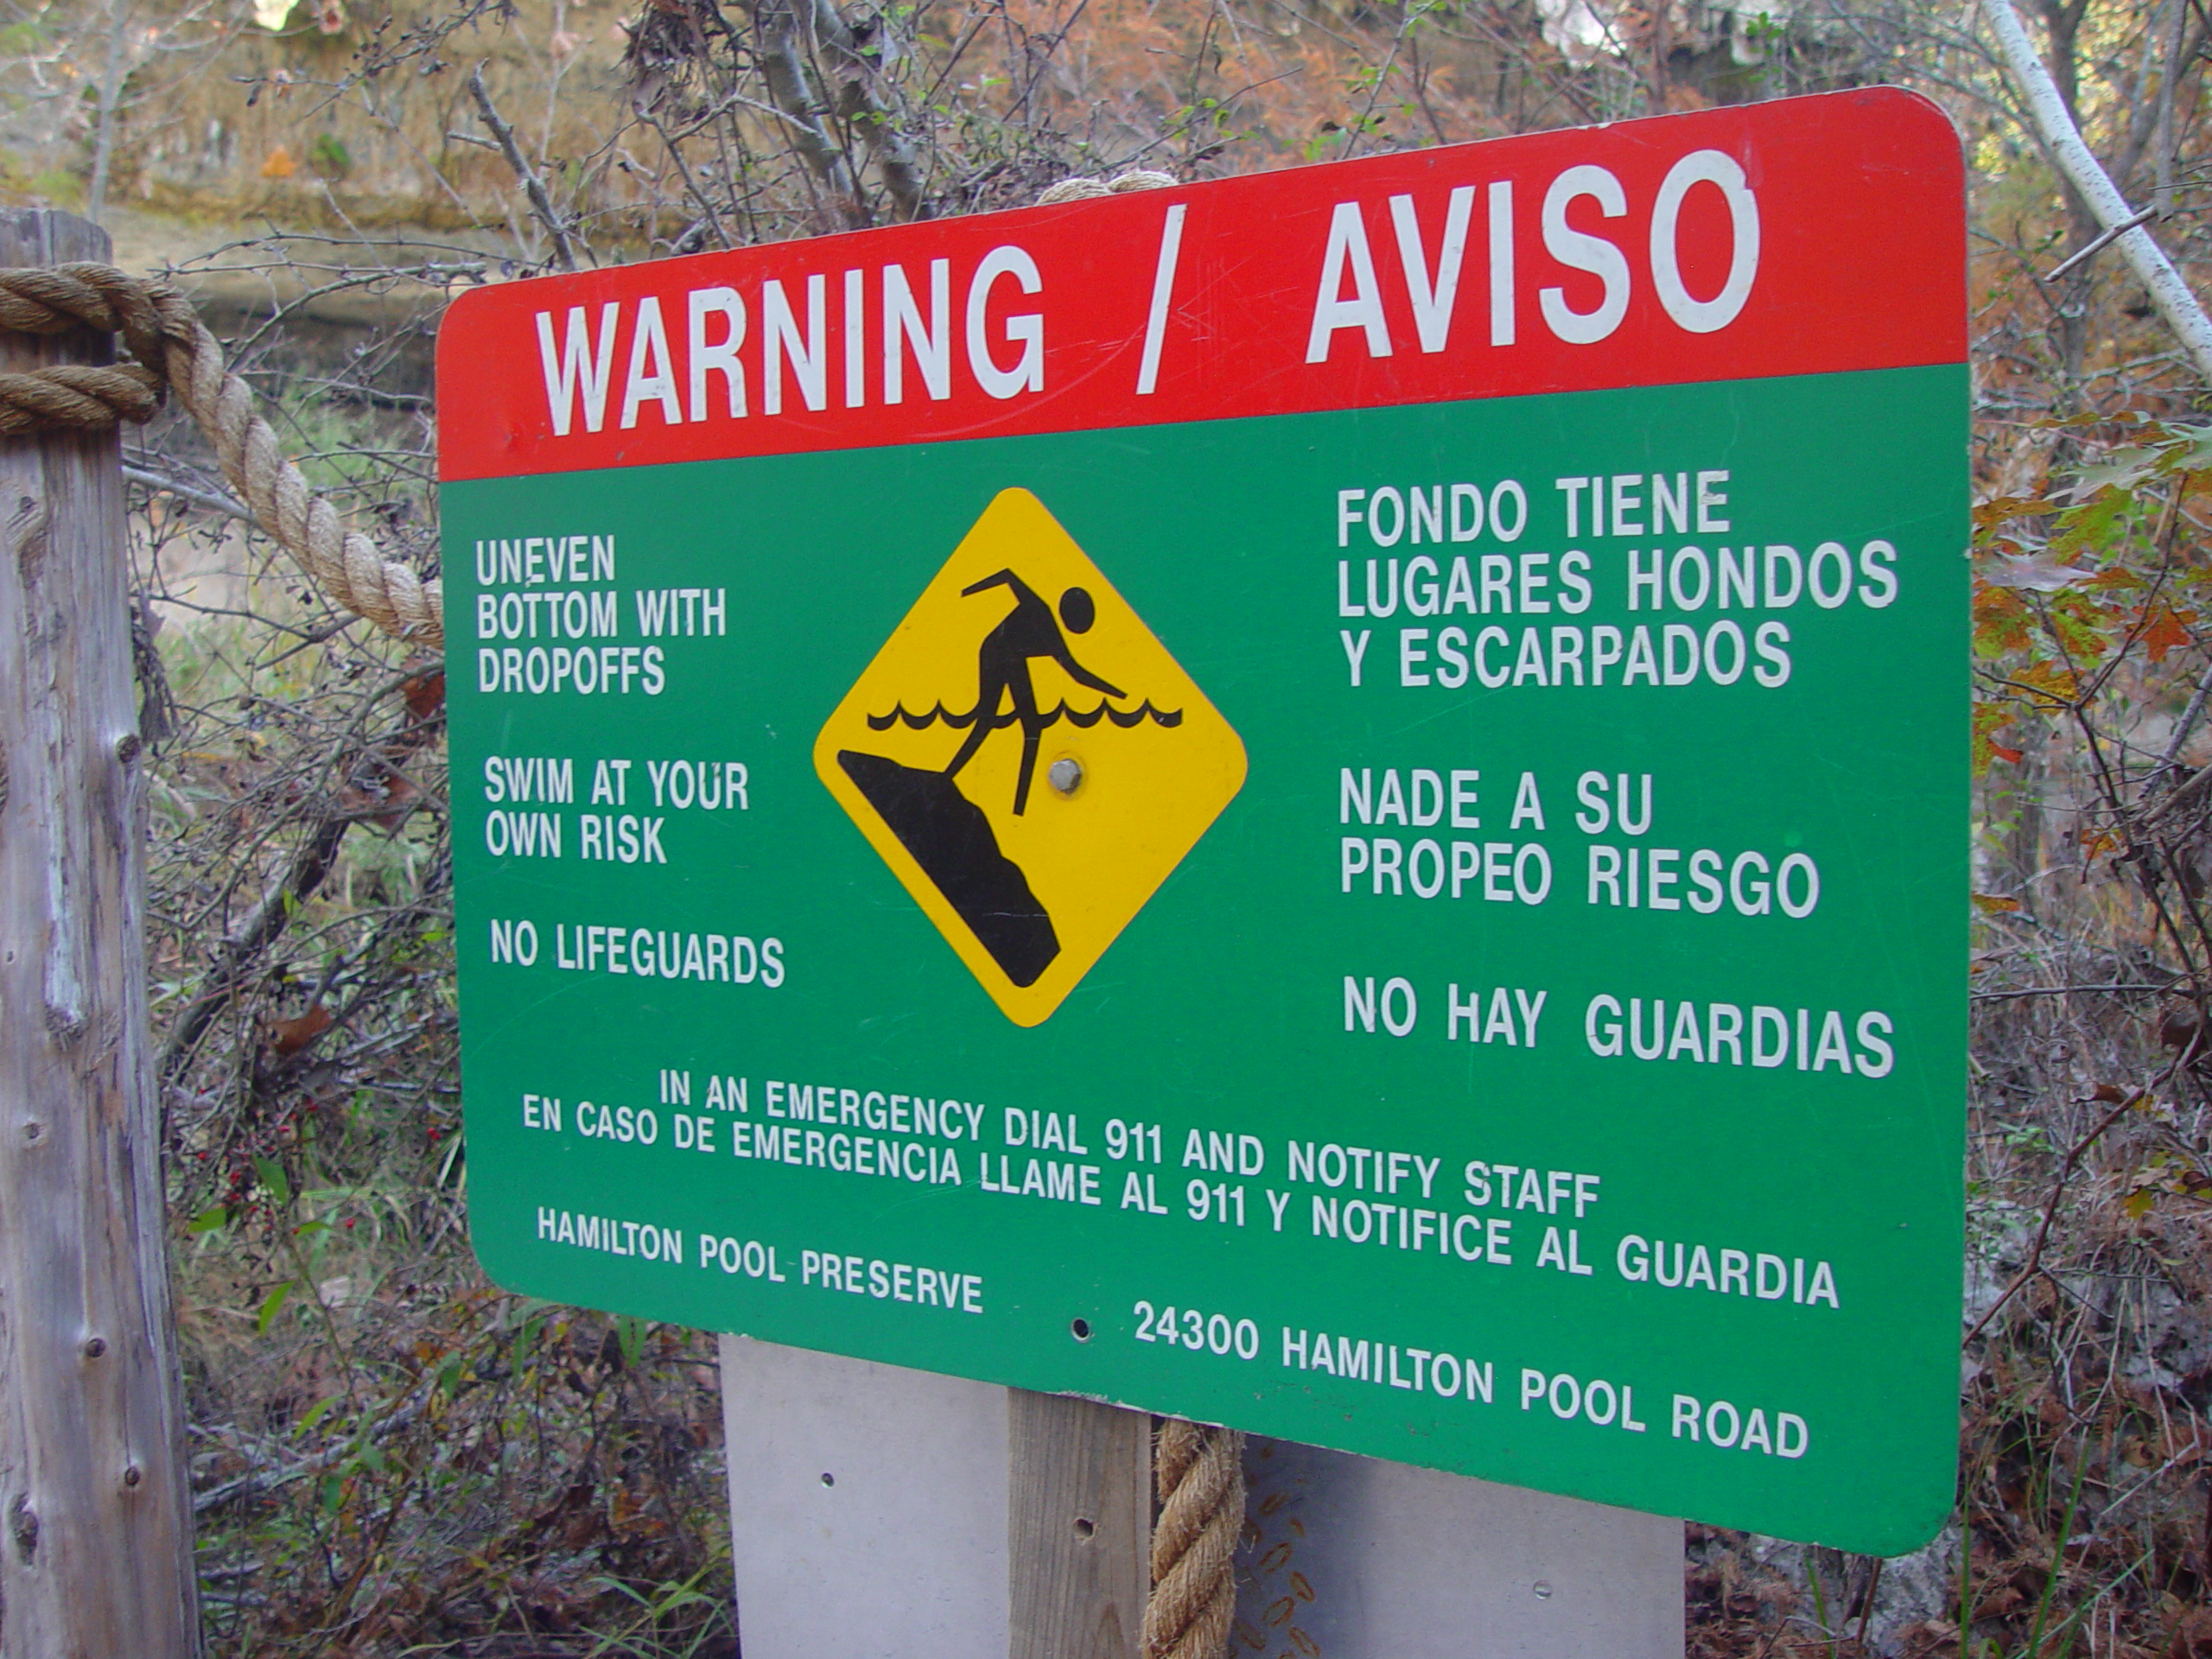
[[952, 840]]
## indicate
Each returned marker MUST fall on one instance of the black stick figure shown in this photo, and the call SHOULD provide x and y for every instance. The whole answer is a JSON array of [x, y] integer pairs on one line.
[[1003, 670]]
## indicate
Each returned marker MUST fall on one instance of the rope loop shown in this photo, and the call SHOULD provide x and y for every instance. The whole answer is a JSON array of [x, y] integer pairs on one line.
[[176, 351], [84, 396]]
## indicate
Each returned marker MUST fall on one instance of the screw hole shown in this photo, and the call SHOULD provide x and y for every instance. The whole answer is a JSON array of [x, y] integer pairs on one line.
[[131, 1476], [1085, 1528], [1543, 1591], [1081, 1328], [829, 1480], [95, 1347]]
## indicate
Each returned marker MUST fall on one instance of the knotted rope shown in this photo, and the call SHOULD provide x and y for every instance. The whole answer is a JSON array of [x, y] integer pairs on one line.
[[1199, 1472], [176, 351]]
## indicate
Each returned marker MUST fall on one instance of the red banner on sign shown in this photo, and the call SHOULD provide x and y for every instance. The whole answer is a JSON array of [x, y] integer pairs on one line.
[[1802, 236]]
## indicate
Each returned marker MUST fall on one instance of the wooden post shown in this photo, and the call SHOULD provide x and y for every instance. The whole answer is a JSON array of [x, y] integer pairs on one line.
[[95, 1514], [1078, 1527]]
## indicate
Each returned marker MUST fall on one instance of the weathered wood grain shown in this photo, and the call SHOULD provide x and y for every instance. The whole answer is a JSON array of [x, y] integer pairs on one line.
[[95, 1535], [1078, 1527]]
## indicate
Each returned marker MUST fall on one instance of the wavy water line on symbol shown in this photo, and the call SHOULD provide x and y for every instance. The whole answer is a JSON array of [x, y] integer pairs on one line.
[[939, 715]]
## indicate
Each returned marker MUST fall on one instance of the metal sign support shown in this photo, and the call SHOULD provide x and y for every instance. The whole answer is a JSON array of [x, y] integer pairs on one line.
[[881, 1513]]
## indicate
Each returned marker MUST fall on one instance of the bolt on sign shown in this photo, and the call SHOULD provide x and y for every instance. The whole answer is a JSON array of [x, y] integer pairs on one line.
[[1330, 801]]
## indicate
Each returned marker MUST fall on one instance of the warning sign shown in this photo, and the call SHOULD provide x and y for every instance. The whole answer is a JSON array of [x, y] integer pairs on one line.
[[1027, 758], [1422, 693]]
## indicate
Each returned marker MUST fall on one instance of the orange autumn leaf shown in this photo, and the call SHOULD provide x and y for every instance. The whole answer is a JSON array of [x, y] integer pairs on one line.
[[2165, 632], [290, 1036], [2006, 508], [2058, 684], [1988, 718], [2000, 620], [425, 693]]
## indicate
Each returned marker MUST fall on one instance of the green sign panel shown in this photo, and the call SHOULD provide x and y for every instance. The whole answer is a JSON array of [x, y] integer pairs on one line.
[[1330, 802]]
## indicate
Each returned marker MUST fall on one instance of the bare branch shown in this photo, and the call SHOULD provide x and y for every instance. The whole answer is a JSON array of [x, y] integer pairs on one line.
[[540, 203]]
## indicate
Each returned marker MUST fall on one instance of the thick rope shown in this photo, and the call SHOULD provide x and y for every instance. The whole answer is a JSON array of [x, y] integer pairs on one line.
[[176, 351], [1082, 189], [1199, 1472]]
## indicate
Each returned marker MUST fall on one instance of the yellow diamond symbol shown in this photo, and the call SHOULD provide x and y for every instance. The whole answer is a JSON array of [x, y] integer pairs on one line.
[[1027, 758]]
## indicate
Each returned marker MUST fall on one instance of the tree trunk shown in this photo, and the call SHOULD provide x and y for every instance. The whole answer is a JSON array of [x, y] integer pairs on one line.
[[95, 1534]]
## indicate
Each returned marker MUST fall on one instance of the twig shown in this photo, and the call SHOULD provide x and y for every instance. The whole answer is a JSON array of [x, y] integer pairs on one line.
[[2057, 1190], [310, 863], [1866, 1607], [210, 498], [255, 1480], [683, 172], [2063, 990], [2100, 242], [2186, 724], [329, 631], [540, 202]]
